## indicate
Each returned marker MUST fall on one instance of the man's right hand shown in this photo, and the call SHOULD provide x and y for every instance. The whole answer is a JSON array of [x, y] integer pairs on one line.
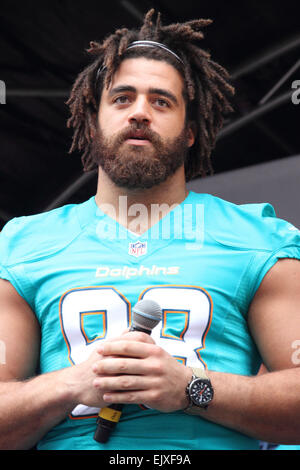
[[79, 379]]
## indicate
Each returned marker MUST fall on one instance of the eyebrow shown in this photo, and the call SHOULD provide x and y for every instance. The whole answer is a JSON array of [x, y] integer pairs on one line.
[[151, 91]]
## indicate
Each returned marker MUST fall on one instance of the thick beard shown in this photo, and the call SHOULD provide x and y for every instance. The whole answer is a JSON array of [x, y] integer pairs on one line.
[[139, 167]]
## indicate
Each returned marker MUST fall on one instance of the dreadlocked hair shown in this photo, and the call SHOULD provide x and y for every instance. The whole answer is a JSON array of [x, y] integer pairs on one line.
[[207, 87]]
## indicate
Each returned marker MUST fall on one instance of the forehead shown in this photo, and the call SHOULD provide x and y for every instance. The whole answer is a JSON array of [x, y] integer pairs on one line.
[[143, 74]]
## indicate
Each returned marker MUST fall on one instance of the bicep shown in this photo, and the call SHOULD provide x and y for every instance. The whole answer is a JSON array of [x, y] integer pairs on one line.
[[274, 315], [19, 335]]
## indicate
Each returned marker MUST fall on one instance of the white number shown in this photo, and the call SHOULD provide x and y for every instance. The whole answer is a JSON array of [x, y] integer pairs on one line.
[[185, 321], [107, 310], [93, 314]]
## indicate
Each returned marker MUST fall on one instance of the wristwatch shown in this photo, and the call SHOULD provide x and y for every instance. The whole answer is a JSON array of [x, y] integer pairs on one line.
[[199, 392]]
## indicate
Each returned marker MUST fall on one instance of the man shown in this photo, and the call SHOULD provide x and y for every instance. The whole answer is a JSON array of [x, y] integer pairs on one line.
[[146, 112]]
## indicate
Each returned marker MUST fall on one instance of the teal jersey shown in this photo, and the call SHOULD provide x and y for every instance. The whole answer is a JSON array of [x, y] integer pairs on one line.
[[287, 447], [81, 272]]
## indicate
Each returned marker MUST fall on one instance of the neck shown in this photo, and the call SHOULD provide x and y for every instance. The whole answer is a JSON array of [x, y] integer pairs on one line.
[[139, 209]]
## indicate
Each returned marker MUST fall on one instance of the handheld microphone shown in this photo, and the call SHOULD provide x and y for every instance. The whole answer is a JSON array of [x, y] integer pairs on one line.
[[146, 314]]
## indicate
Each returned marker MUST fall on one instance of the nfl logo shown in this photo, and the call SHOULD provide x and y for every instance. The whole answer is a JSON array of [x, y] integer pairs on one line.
[[137, 249]]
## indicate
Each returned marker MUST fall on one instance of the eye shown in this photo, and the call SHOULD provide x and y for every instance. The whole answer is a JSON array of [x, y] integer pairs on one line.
[[123, 99], [161, 103]]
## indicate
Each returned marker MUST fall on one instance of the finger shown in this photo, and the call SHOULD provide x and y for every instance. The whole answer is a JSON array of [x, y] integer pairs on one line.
[[126, 348], [133, 335], [125, 331], [137, 397], [129, 336], [122, 383], [137, 336], [124, 397], [117, 366]]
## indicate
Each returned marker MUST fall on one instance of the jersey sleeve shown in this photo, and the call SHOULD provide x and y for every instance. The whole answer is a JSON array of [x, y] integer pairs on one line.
[[10, 247], [290, 248], [282, 241], [4, 274], [29, 241]]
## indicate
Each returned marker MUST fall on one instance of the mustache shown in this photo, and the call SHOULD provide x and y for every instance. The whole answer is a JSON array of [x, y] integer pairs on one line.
[[144, 132]]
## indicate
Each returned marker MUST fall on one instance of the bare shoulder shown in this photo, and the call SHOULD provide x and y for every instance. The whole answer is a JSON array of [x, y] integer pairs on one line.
[[274, 314], [19, 335]]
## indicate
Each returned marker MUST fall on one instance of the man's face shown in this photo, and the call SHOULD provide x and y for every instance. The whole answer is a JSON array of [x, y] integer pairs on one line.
[[142, 137]]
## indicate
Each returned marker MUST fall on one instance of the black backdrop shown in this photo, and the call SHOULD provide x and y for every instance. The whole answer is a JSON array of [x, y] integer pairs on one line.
[[42, 49]]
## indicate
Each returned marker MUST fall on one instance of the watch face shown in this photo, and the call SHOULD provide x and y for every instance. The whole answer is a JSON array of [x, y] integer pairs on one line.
[[201, 392]]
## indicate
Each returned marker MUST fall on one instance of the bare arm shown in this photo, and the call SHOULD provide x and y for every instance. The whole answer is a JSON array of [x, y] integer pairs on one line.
[[31, 405], [266, 406]]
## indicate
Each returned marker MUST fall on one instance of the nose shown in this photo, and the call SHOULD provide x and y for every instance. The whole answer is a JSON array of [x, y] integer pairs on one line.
[[140, 111]]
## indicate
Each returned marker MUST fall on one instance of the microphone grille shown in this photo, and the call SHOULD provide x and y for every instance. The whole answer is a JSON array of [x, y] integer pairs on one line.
[[146, 314]]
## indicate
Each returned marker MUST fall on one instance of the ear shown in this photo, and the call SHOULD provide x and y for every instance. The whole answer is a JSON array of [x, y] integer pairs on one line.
[[191, 133]]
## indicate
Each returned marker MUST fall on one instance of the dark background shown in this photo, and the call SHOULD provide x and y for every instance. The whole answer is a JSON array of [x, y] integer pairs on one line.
[[43, 47]]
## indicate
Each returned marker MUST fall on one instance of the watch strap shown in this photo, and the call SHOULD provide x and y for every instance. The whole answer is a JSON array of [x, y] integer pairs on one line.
[[200, 373]]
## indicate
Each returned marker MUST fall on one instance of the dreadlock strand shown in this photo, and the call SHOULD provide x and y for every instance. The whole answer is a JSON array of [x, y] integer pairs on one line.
[[189, 82], [95, 48], [183, 32], [116, 45], [147, 27], [199, 24], [122, 45], [157, 27]]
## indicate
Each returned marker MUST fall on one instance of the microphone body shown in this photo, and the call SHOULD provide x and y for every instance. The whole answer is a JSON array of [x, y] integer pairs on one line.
[[108, 418], [146, 314]]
